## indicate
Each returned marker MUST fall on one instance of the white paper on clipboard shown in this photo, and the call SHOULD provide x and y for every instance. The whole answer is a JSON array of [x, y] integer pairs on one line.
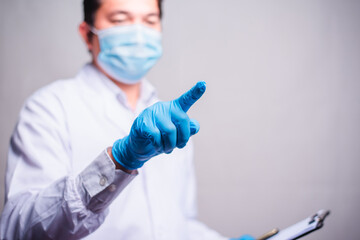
[[302, 228]]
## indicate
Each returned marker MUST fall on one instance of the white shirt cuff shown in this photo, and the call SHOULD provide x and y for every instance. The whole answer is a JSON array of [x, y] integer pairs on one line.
[[102, 182]]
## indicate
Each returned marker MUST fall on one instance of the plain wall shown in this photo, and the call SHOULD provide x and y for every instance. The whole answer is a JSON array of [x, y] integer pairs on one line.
[[280, 121]]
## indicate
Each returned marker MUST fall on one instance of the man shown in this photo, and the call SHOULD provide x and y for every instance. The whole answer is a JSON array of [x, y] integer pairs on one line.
[[57, 184]]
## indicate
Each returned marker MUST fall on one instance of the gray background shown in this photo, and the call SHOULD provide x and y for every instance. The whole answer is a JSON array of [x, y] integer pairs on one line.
[[280, 119]]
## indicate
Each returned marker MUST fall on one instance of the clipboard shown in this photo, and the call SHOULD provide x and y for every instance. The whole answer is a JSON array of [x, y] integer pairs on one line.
[[299, 229]]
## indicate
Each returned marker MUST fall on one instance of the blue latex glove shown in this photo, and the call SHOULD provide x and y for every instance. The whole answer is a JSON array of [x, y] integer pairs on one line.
[[158, 129], [244, 237]]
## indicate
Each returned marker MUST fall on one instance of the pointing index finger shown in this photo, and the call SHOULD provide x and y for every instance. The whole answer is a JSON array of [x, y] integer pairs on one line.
[[190, 97]]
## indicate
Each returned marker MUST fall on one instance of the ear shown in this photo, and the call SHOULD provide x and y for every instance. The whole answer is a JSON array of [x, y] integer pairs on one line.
[[84, 30]]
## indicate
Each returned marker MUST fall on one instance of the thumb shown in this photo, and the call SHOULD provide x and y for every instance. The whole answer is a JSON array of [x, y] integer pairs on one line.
[[194, 127]]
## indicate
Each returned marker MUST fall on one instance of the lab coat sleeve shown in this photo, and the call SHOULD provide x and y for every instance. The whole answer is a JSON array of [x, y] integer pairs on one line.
[[44, 200], [197, 230]]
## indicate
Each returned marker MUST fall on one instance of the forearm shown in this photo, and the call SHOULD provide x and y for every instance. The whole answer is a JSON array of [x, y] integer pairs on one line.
[[70, 208], [55, 212]]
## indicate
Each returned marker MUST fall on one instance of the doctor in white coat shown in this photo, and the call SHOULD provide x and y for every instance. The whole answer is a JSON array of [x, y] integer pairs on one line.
[[78, 160]]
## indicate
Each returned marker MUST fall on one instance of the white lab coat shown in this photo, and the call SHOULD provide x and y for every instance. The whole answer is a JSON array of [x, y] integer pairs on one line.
[[61, 184]]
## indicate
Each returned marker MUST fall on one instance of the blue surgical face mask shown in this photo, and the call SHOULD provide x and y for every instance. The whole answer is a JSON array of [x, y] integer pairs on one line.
[[128, 52]]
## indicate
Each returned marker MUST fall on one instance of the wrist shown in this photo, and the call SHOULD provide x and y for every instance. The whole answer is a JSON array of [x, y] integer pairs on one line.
[[123, 154], [118, 165]]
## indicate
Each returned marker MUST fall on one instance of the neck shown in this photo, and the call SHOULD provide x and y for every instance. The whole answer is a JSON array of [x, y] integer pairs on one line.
[[132, 91]]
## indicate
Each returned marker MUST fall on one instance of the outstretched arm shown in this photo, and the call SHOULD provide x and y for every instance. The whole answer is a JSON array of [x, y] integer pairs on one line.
[[44, 200]]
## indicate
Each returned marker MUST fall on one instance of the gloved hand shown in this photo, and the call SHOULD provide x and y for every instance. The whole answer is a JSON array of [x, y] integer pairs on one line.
[[158, 129], [244, 237]]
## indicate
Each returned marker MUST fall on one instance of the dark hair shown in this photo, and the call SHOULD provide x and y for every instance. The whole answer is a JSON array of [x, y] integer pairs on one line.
[[91, 6]]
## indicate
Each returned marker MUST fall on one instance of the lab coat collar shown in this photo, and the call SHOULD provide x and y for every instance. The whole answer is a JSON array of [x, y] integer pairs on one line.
[[102, 92], [147, 90]]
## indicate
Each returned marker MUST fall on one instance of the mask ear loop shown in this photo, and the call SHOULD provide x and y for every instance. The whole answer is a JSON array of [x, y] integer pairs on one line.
[[91, 31]]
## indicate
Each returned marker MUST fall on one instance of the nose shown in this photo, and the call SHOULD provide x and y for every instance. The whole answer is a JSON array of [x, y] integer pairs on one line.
[[140, 38]]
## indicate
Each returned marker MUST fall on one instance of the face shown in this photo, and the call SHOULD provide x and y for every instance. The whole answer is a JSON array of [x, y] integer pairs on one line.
[[119, 13]]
